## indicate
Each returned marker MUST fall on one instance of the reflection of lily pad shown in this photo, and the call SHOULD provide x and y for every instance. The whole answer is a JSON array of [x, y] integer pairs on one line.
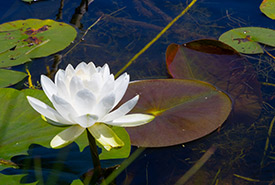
[[20, 126], [268, 8], [247, 39], [185, 110], [32, 38], [9, 77], [219, 64]]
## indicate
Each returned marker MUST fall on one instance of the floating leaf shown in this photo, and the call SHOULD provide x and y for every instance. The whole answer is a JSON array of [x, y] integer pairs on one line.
[[9, 77], [77, 182], [268, 8], [185, 110], [54, 166], [32, 38], [219, 64], [247, 39], [13, 180], [20, 126]]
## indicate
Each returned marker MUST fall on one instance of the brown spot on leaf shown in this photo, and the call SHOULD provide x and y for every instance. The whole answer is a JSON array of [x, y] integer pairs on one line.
[[30, 31], [43, 28], [246, 39], [33, 40]]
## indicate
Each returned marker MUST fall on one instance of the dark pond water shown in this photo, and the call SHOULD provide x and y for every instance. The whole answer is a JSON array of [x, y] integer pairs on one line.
[[240, 157]]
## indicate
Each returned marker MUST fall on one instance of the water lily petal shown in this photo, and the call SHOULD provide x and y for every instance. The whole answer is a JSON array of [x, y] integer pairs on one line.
[[64, 108], [86, 120], [67, 136], [76, 85], [98, 68], [95, 83], [104, 105], [122, 110], [121, 85], [84, 101], [105, 71], [81, 66], [47, 111], [69, 71], [48, 86], [81, 73], [54, 123], [59, 74], [107, 87], [91, 68], [105, 136], [91, 86], [131, 120], [62, 89]]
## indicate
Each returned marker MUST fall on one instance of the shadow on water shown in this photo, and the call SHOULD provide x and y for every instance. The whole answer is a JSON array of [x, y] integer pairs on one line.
[[55, 166]]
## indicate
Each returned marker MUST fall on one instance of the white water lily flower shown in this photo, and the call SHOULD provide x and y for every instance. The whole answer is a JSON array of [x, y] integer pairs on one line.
[[85, 97]]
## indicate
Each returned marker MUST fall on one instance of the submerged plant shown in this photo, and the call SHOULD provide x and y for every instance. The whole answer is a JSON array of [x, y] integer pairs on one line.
[[85, 98]]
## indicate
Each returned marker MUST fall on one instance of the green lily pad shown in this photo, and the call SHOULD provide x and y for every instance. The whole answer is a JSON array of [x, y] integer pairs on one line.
[[13, 180], [184, 110], [21, 126], [219, 64], [9, 77], [55, 166], [77, 182], [268, 8], [32, 38], [246, 40]]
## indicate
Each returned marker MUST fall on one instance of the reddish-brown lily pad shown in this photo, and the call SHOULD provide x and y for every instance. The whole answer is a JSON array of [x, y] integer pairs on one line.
[[185, 110], [219, 64]]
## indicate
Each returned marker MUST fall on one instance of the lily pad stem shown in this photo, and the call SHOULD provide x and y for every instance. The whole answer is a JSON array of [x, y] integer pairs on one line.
[[96, 161]]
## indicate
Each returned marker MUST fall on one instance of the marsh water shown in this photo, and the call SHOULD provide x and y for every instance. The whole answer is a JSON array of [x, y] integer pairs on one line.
[[241, 156]]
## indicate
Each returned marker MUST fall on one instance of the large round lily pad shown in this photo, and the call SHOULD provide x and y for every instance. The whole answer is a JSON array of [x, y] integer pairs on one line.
[[185, 110], [247, 39], [9, 77], [219, 64], [21, 126], [32, 38]]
